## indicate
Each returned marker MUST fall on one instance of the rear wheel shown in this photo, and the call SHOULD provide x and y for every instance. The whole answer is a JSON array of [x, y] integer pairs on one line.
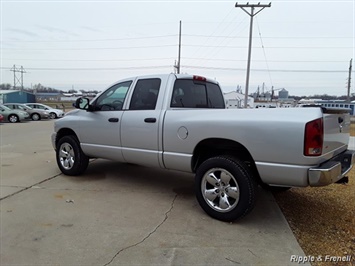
[[35, 117], [70, 158], [13, 118], [225, 188]]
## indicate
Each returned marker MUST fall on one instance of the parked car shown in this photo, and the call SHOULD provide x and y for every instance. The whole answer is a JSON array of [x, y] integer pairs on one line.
[[13, 116], [53, 113], [35, 114]]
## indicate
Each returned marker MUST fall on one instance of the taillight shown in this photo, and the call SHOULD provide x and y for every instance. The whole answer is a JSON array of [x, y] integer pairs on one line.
[[199, 78], [313, 138]]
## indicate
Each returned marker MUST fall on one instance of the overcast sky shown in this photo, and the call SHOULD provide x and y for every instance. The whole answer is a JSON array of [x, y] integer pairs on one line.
[[302, 46]]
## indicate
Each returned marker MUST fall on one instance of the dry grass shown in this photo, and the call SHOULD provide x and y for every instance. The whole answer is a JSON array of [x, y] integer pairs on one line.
[[323, 219]]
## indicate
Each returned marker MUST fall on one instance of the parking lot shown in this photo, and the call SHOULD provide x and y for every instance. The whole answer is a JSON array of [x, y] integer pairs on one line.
[[120, 214]]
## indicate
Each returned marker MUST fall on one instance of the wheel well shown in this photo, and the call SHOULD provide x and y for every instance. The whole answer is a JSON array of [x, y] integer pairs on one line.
[[213, 147], [64, 132]]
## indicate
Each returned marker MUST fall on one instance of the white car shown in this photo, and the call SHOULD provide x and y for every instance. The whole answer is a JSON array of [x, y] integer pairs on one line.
[[53, 113]]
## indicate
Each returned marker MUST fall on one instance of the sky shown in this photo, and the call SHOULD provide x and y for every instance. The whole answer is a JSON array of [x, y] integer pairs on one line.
[[302, 46]]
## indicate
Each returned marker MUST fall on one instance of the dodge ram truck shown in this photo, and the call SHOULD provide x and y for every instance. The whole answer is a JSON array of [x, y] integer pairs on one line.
[[179, 122]]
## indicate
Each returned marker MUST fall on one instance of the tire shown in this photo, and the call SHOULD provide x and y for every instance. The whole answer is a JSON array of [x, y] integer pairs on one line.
[[13, 118], [225, 188], [35, 117], [52, 116], [70, 158]]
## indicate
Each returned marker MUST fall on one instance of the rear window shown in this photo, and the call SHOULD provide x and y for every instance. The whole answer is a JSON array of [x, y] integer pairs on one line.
[[188, 93]]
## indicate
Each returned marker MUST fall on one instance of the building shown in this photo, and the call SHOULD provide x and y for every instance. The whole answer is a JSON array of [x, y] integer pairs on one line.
[[16, 96], [283, 94], [235, 99]]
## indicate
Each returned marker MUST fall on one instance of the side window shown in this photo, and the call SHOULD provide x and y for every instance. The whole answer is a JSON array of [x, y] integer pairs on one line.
[[188, 93], [215, 96], [145, 94], [113, 98]]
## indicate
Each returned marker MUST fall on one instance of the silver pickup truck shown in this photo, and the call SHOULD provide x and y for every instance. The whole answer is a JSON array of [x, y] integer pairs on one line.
[[179, 122]]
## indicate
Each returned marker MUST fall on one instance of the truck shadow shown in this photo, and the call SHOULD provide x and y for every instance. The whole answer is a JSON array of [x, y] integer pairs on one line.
[[120, 177], [123, 176]]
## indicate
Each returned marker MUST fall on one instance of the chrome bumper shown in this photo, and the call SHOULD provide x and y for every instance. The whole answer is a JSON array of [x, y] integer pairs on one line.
[[331, 171]]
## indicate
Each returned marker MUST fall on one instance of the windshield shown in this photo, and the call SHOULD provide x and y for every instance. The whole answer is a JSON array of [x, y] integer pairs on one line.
[[46, 106], [25, 107], [4, 107]]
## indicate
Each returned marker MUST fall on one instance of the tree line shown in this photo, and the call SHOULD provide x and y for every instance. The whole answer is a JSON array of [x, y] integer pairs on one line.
[[43, 89], [39, 88]]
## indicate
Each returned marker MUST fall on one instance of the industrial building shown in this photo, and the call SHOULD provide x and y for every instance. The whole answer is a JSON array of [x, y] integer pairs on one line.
[[16, 96]]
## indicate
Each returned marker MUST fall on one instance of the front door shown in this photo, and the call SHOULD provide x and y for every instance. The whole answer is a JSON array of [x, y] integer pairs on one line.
[[100, 128]]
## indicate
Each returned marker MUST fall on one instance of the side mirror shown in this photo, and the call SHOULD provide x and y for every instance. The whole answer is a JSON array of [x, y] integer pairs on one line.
[[82, 103]]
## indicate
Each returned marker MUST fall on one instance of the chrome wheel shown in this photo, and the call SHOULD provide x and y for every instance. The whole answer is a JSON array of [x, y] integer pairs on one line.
[[52, 116], [13, 118], [220, 190], [66, 156], [35, 117]]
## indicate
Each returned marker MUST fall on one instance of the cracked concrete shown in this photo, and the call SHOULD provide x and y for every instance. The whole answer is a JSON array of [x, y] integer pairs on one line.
[[119, 214], [146, 237]]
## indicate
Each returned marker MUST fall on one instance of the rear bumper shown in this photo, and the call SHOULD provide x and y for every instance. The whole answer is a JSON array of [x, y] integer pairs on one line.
[[331, 171]]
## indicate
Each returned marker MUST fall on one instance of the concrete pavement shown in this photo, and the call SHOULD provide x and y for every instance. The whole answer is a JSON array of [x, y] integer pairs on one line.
[[120, 214]]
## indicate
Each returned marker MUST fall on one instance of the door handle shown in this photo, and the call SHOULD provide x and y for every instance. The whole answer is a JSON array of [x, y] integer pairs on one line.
[[150, 120], [113, 119]]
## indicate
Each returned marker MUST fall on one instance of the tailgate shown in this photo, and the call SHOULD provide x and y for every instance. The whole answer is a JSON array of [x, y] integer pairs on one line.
[[336, 130]]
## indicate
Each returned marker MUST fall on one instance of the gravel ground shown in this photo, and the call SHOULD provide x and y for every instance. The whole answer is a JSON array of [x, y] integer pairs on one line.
[[323, 218]]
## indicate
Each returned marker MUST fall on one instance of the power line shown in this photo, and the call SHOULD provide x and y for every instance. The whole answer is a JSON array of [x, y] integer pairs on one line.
[[174, 45], [174, 35], [91, 60], [90, 69], [95, 40], [170, 58], [188, 66], [271, 70], [92, 48], [262, 45], [270, 37]]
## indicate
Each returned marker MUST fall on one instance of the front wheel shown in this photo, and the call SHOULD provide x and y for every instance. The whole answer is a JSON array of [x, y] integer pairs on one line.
[[225, 188], [70, 158], [13, 118], [52, 116], [35, 117]]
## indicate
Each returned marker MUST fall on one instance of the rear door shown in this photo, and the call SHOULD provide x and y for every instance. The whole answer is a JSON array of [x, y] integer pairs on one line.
[[140, 127]]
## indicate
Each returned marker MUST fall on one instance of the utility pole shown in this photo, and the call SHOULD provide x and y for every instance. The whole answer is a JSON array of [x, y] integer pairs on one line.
[[349, 79], [251, 14], [179, 53], [18, 80]]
